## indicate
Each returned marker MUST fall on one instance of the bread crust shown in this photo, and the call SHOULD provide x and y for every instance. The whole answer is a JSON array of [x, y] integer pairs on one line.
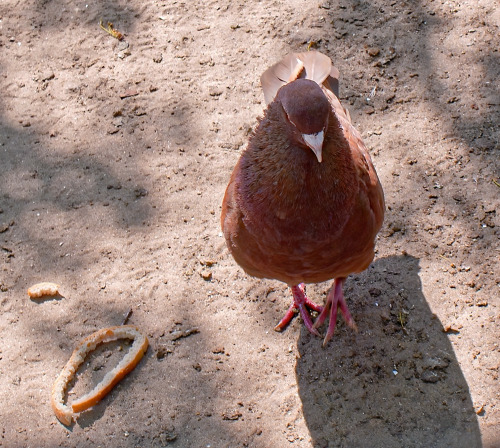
[[65, 413], [43, 289]]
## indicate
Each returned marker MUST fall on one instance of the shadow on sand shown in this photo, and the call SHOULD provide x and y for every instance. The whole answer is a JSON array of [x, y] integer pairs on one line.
[[396, 383]]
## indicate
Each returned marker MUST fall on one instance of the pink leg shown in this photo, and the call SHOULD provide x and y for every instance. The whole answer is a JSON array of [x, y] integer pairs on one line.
[[302, 303], [334, 301]]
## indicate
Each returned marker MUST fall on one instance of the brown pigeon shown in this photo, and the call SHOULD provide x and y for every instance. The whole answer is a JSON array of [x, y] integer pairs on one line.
[[304, 203]]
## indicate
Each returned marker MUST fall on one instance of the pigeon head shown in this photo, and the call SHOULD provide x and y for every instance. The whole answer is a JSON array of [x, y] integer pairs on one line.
[[307, 109]]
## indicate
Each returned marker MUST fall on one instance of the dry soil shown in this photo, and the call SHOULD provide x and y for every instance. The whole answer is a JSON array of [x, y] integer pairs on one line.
[[114, 158]]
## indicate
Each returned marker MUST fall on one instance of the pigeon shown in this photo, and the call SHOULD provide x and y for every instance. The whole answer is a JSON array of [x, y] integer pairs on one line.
[[304, 203]]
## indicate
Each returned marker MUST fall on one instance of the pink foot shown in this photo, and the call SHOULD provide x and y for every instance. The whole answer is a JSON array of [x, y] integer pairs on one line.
[[302, 303], [334, 301]]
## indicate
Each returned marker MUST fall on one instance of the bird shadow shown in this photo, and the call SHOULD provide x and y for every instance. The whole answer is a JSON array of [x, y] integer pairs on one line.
[[397, 382]]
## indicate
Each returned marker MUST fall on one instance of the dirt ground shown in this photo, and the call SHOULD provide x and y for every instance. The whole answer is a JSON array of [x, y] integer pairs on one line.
[[114, 158]]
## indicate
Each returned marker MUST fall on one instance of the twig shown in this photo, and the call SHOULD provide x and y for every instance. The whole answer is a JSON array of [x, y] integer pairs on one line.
[[127, 316], [448, 260], [111, 30], [402, 318], [184, 334]]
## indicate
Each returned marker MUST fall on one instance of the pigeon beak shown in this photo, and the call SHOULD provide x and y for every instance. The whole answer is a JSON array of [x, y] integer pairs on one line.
[[315, 142]]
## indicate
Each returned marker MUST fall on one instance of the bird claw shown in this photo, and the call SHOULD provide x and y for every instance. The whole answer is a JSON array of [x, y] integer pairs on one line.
[[287, 318], [335, 301], [300, 304]]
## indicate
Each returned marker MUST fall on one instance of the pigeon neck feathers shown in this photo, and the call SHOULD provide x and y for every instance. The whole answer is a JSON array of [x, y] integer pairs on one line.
[[279, 173]]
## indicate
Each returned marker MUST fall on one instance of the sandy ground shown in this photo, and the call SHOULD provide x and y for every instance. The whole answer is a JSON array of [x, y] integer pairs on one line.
[[114, 158]]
